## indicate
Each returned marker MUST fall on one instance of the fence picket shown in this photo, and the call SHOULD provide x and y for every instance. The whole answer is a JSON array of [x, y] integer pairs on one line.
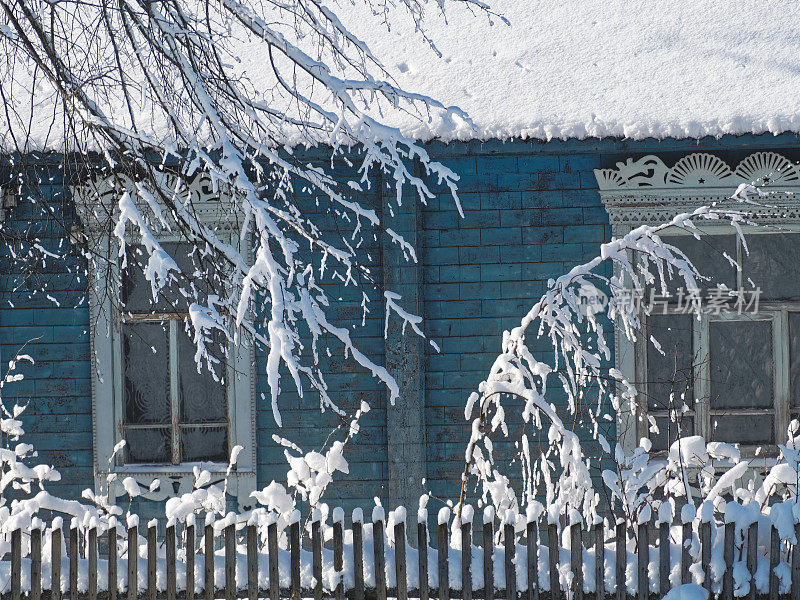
[[208, 562], [663, 558], [576, 560], [358, 556], [380, 557], [774, 559], [686, 558], [599, 561], [294, 552], [112, 563], [444, 571], [151, 562], [16, 564], [466, 560], [73, 561], [252, 562], [752, 548], [189, 545], [36, 563], [171, 559], [705, 552], [552, 551], [621, 559], [133, 562], [422, 555], [488, 559], [400, 560], [272, 548], [532, 534], [511, 573], [316, 552], [727, 555], [338, 556], [55, 564], [230, 562], [92, 557], [644, 559]]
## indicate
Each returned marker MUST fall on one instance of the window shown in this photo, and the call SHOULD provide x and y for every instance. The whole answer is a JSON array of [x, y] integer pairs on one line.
[[145, 384], [171, 412], [733, 374]]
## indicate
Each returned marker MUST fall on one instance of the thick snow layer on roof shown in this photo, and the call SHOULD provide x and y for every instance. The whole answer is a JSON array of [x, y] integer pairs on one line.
[[581, 68], [556, 69]]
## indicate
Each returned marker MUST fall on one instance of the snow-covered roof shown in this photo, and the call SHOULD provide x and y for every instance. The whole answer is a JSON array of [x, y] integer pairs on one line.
[[556, 69], [582, 68]]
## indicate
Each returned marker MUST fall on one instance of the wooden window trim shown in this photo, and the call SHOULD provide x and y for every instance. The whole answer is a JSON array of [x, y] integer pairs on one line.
[[105, 336]]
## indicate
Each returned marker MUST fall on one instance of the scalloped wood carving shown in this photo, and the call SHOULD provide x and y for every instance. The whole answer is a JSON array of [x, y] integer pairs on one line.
[[699, 171]]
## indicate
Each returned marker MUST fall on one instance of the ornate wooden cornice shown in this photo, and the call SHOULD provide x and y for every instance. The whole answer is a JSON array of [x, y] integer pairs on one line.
[[97, 198]]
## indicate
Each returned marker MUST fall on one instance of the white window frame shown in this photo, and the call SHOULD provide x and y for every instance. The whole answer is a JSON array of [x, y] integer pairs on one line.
[[107, 369], [645, 191]]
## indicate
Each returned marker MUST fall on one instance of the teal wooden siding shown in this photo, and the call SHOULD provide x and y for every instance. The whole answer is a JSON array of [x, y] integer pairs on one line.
[[43, 304], [528, 216], [531, 211], [348, 383]]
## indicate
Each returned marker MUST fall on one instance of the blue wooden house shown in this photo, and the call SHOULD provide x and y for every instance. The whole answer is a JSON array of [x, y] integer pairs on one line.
[[569, 148]]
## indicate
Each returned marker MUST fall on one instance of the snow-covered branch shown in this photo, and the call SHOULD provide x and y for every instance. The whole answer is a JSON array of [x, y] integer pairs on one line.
[[150, 98], [581, 370]]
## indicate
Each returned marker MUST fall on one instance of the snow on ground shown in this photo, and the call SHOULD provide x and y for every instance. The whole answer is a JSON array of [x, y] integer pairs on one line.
[[687, 591]]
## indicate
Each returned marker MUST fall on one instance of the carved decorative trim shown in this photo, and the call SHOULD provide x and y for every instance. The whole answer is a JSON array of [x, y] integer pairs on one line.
[[200, 194], [699, 171], [646, 191]]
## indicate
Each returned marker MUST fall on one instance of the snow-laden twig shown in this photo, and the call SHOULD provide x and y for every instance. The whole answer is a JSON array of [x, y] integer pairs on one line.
[[638, 259], [154, 93]]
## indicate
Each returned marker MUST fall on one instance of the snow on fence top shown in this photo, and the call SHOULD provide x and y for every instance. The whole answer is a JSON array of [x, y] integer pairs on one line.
[[730, 559]]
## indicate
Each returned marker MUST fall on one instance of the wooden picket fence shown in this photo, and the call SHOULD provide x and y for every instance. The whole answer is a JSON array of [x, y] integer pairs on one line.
[[227, 589]]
